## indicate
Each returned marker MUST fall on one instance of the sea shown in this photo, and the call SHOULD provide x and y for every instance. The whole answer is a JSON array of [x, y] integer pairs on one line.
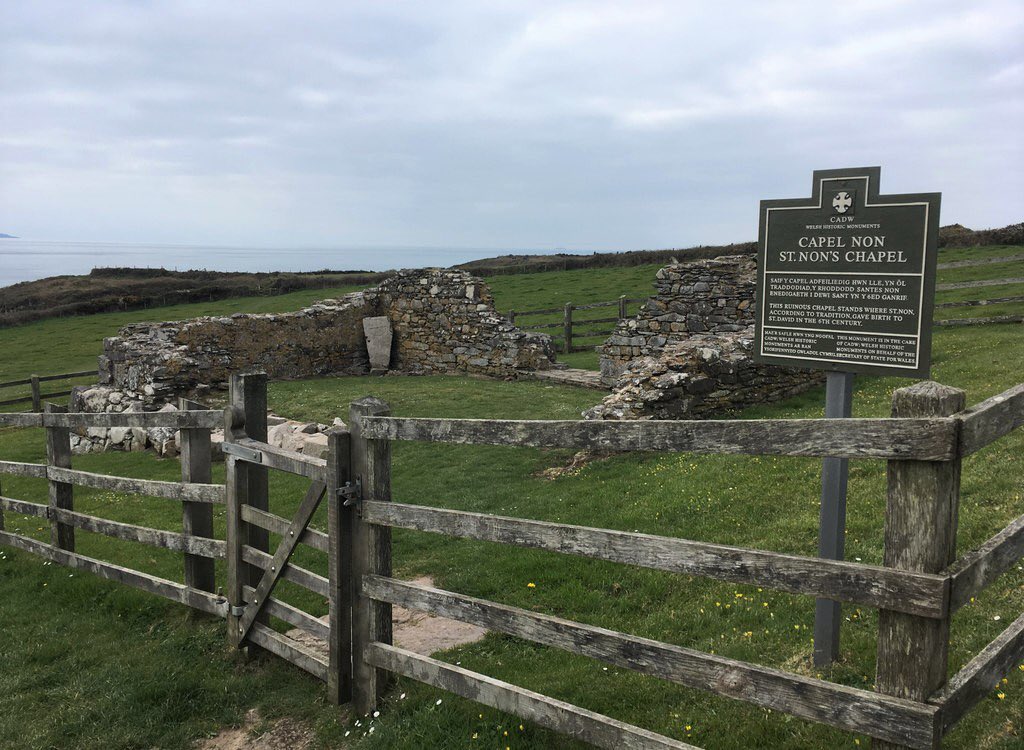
[[27, 260]]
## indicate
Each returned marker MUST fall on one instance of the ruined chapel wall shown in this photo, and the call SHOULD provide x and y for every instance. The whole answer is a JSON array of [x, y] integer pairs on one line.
[[715, 295]]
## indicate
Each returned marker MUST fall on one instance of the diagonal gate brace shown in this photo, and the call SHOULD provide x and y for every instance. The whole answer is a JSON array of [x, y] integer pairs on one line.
[[284, 551]]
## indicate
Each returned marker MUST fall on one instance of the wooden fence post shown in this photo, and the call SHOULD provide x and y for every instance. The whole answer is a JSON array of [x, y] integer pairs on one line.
[[339, 574], [58, 453], [197, 518], [512, 317], [622, 307], [920, 535], [249, 394], [37, 404], [567, 327], [370, 550], [247, 484]]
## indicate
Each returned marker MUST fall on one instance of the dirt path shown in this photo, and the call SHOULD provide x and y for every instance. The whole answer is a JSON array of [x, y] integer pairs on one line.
[[415, 631]]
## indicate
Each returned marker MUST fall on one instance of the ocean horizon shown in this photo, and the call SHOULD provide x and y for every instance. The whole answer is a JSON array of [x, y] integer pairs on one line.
[[28, 260]]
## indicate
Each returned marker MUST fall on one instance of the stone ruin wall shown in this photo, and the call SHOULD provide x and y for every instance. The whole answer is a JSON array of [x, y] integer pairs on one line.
[[446, 322], [688, 352], [443, 322], [700, 297]]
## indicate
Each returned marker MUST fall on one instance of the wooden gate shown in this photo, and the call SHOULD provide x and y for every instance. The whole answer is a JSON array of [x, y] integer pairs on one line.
[[253, 571]]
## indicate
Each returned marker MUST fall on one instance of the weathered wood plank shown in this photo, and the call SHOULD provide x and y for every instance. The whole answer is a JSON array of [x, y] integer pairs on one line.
[[873, 586], [920, 439], [292, 615], [197, 493], [991, 419], [277, 525], [20, 469], [578, 723], [972, 284], [61, 491], [972, 683], [978, 262], [282, 554], [369, 547], [247, 393], [201, 600], [21, 419], [67, 376], [11, 401], [37, 403], [339, 575], [54, 394], [306, 578], [980, 302], [25, 508], [808, 698], [234, 532], [286, 460], [12, 383], [991, 320], [922, 505], [206, 548], [977, 569], [179, 420], [289, 650], [197, 518]]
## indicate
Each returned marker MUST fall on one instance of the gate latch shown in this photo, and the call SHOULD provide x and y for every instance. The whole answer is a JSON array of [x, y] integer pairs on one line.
[[351, 492]]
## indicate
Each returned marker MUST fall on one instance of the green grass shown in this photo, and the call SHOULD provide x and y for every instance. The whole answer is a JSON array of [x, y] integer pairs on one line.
[[92, 664]]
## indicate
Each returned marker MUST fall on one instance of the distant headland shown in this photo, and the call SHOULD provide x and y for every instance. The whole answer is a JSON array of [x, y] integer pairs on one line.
[[7, 236]]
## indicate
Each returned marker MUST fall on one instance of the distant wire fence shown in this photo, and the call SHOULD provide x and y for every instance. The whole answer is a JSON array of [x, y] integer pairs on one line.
[[572, 329], [36, 395]]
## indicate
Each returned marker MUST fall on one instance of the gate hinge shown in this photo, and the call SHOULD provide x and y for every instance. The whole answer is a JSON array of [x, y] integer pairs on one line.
[[236, 610], [351, 492]]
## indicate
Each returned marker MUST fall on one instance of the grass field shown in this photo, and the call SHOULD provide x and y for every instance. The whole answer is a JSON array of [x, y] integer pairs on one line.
[[90, 664]]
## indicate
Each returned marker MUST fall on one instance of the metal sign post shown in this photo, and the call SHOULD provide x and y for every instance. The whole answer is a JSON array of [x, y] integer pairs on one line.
[[832, 538]]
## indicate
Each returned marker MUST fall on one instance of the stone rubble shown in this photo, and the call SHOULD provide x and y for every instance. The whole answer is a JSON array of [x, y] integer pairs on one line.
[[706, 375]]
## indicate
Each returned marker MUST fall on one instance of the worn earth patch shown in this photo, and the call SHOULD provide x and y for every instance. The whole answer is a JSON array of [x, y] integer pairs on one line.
[[413, 630]]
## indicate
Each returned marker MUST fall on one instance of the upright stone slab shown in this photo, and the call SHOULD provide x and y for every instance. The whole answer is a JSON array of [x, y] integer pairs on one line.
[[378, 343]]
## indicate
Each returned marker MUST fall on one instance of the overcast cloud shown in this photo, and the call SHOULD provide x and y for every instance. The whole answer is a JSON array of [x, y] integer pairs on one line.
[[497, 124]]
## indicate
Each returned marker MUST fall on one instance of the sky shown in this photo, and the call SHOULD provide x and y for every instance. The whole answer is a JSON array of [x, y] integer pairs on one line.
[[515, 124]]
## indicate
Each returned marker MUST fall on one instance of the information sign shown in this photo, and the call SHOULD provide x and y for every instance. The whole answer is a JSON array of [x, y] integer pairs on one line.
[[846, 279]]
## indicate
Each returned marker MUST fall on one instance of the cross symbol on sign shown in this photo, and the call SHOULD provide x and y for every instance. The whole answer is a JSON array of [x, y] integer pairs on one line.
[[842, 202]]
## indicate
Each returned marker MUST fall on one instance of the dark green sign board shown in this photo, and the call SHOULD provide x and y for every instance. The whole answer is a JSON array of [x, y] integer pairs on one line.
[[846, 279]]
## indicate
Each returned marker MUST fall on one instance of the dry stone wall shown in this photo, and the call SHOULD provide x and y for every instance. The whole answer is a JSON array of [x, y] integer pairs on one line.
[[153, 363], [688, 352], [704, 296], [443, 322]]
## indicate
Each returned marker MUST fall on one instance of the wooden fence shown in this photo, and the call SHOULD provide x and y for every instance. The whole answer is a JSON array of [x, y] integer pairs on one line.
[[195, 492], [574, 327], [37, 396], [917, 589]]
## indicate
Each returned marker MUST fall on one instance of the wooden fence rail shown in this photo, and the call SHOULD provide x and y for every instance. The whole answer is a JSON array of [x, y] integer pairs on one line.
[[919, 587], [36, 396], [570, 325], [916, 590]]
